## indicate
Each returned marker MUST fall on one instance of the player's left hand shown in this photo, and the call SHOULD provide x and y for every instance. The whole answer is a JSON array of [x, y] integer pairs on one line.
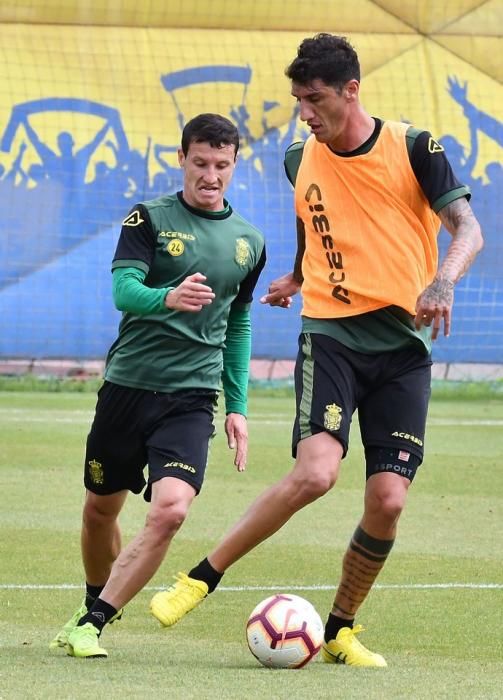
[[434, 305], [236, 429], [281, 291]]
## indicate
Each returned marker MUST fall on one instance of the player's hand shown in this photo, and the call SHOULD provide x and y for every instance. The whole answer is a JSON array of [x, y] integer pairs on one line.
[[434, 305], [236, 429], [281, 291], [190, 295]]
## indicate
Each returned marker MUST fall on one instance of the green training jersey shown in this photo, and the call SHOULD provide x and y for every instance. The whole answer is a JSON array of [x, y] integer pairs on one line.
[[169, 350]]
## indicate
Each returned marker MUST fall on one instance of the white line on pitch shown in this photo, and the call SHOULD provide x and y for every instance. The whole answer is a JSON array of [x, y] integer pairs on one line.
[[381, 586]]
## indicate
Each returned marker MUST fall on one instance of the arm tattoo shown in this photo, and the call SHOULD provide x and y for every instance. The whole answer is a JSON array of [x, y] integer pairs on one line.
[[439, 294], [459, 220]]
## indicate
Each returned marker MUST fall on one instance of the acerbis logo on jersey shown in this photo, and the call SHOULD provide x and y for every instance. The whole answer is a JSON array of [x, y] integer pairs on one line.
[[176, 246], [321, 225], [133, 219], [176, 234], [434, 146]]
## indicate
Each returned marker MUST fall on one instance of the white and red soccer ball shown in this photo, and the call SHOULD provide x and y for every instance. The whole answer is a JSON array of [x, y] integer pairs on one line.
[[284, 631]]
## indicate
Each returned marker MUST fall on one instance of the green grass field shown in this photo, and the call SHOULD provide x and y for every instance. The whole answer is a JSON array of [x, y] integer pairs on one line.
[[436, 613]]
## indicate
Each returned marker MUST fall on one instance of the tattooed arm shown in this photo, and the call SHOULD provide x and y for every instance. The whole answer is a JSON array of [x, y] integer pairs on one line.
[[435, 302]]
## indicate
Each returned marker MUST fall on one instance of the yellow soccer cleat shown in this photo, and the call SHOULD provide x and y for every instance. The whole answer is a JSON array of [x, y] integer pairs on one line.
[[346, 649], [83, 642], [60, 641], [170, 606]]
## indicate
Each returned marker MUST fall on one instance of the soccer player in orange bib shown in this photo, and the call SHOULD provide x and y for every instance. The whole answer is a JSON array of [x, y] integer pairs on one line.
[[370, 196]]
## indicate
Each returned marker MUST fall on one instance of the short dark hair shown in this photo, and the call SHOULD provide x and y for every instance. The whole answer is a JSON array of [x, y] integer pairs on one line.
[[210, 128], [325, 57]]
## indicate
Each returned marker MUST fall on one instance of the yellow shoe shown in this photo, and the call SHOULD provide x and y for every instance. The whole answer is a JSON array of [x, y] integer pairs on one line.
[[346, 649], [60, 641], [83, 642], [170, 606]]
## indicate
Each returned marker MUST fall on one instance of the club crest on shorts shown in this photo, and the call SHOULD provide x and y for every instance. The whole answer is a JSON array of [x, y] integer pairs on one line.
[[242, 251], [95, 471], [332, 417]]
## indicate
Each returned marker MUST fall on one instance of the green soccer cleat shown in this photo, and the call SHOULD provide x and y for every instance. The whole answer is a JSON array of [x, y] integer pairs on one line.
[[346, 649], [60, 641], [170, 606], [83, 642]]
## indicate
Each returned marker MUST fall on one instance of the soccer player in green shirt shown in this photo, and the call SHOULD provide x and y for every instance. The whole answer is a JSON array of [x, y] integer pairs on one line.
[[184, 273]]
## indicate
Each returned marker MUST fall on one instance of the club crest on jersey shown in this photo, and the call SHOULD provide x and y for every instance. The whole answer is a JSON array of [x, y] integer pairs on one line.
[[175, 247], [133, 219], [434, 146], [332, 417], [95, 471], [242, 252]]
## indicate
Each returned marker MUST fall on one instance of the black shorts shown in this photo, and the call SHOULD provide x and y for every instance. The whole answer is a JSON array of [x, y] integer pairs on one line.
[[390, 390], [133, 428]]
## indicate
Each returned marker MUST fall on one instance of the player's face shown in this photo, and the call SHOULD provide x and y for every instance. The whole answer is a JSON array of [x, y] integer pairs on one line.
[[324, 108], [207, 174]]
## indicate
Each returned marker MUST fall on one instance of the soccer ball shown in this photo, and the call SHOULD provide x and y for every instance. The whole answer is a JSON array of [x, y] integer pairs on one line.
[[284, 631]]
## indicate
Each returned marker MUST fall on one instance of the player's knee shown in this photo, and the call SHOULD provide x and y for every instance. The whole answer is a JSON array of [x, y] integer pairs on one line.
[[311, 484], [386, 504], [165, 519], [321, 481], [316, 467], [97, 513]]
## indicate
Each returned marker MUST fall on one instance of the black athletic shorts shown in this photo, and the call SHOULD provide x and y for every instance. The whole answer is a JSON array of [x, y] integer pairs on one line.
[[390, 390], [133, 428]]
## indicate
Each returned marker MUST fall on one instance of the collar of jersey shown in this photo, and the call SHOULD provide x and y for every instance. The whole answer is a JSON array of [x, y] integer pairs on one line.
[[204, 213], [366, 146]]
